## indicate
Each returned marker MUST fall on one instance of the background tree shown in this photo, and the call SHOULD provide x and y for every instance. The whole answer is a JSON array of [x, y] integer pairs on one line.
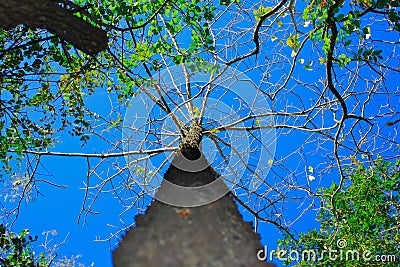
[[21, 249], [362, 217], [16, 250], [325, 68]]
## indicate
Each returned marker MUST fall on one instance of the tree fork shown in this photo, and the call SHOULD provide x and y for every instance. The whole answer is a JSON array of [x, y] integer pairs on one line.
[[190, 145]]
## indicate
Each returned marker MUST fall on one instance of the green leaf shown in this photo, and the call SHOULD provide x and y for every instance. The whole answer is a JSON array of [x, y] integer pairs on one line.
[[310, 169], [196, 112], [225, 2], [393, 16]]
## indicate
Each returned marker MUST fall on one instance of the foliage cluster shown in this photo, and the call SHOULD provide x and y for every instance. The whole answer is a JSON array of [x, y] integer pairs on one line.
[[363, 216], [16, 250]]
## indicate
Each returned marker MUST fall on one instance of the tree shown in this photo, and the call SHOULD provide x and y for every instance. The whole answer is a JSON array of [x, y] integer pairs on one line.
[[325, 68], [15, 249], [21, 250], [208, 235], [362, 218]]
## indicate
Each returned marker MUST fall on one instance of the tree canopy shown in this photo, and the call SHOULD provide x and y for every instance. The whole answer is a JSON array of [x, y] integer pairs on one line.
[[15, 249], [323, 74], [359, 224]]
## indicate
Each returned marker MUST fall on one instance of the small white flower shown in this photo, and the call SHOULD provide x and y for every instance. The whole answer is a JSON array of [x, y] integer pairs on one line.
[[311, 178], [307, 23]]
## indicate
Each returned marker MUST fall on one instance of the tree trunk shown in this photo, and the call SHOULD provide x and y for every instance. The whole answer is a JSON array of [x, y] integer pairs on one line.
[[213, 235], [49, 15]]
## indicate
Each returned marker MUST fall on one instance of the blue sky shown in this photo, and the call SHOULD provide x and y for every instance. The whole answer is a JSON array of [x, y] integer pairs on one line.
[[56, 208]]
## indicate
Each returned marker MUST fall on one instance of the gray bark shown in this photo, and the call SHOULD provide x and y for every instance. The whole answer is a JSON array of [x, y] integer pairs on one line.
[[49, 15], [213, 235]]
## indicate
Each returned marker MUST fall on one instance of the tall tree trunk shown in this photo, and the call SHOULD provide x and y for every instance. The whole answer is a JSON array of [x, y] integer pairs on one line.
[[213, 235], [49, 15]]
